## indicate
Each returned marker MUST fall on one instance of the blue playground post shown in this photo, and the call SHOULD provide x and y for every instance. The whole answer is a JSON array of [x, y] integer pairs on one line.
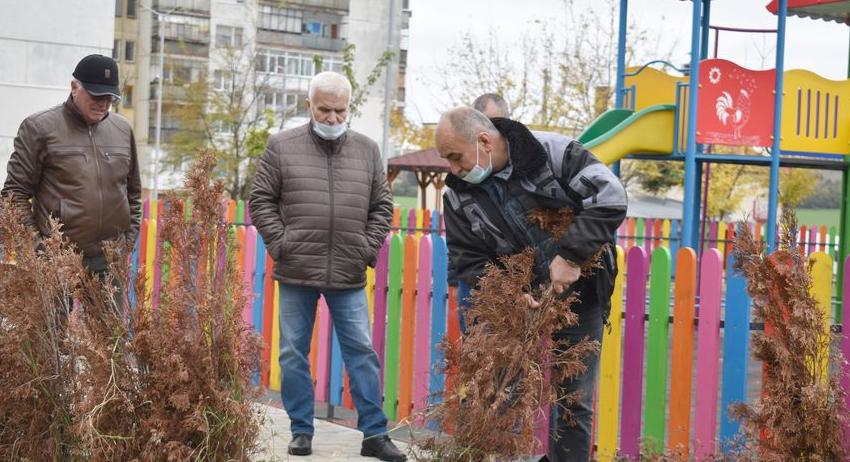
[[621, 65], [691, 202], [773, 193]]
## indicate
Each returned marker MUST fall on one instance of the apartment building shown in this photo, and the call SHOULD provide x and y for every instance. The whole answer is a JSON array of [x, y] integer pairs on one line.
[[269, 47]]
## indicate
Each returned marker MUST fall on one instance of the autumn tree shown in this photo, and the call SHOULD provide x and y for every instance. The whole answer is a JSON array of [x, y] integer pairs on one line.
[[232, 112], [223, 113], [551, 81]]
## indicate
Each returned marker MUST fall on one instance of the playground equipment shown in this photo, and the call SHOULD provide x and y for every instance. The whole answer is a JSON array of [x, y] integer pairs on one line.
[[806, 125]]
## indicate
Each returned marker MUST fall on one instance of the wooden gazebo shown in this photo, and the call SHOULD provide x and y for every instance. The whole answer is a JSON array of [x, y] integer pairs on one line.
[[428, 166]]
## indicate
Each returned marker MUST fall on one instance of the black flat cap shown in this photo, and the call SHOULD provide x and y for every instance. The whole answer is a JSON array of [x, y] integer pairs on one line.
[[99, 75]]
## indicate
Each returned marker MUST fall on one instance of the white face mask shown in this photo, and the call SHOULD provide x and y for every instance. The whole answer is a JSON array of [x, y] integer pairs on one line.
[[478, 173], [329, 132]]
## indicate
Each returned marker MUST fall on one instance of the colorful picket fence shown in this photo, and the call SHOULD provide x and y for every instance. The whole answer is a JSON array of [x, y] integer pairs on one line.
[[651, 233], [651, 357]]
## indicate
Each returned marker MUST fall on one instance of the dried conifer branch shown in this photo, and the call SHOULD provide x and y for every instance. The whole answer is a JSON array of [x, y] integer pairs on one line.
[[501, 366], [801, 412]]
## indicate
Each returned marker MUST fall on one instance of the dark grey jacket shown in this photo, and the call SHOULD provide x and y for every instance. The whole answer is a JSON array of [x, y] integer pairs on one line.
[[549, 171], [322, 208], [85, 175]]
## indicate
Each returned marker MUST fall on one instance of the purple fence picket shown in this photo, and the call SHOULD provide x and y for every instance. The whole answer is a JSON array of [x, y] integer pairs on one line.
[[411, 221], [249, 259], [422, 338], [379, 310], [708, 353], [633, 345], [813, 239], [845, 344], [712, 235]]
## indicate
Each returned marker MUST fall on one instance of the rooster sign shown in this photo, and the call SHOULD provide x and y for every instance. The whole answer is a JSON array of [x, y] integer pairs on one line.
[[735, 104]]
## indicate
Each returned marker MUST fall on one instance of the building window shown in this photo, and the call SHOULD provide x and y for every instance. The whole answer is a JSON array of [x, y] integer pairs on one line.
[[115, 50], [313, 28], [281, 19], [222, 81], [117, 8], [226, 36], [127, 97], [131, 8], [129, 51]]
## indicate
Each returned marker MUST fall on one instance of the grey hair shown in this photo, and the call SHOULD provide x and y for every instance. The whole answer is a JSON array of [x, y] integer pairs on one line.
[[481, 102], [468, 122], [329, 82]]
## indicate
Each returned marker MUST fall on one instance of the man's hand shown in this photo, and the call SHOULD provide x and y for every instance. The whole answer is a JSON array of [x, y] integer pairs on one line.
[[532, 303], [563, 273]]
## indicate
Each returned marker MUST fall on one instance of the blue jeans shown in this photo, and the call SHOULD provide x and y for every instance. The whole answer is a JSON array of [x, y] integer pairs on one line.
[[350, 313], [571, 440]]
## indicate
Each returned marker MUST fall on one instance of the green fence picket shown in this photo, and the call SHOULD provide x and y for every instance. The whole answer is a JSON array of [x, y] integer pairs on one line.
[[657, 349], [391, 355]]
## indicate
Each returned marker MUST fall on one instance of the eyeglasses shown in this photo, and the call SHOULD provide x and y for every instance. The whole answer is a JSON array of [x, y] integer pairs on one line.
[[111, 99]]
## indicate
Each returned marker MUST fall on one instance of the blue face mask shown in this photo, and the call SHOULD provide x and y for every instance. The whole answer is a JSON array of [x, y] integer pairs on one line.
[[329, 132], [478, 173]]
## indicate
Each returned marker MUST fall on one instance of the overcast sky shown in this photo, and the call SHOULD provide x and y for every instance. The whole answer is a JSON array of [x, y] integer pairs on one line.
[[436, 25]]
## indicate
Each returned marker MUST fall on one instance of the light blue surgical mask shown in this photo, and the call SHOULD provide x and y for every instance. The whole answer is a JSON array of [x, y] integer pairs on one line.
[[329, 132], [478, 173]]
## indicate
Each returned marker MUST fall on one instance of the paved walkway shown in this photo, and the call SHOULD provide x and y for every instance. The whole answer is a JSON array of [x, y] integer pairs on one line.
[[331, 442]]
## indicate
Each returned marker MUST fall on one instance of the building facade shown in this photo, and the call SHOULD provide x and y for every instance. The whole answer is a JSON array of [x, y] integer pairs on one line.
[[263, 51], [38, 59]]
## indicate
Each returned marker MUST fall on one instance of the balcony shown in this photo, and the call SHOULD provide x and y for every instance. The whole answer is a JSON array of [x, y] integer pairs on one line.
[[327, 4], [183, 32], [286, 39], [193, 6]]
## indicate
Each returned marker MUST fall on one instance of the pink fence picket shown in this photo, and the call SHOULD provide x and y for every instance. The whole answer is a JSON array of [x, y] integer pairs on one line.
[[708, 354], [323, 352], [422, 338]]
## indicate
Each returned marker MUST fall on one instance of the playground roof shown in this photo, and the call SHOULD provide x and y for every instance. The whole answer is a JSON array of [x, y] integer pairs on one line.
[[828, 10], [426, 159]]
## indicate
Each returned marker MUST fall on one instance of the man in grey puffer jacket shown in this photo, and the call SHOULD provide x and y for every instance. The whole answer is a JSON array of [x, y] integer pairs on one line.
[[321, 203]]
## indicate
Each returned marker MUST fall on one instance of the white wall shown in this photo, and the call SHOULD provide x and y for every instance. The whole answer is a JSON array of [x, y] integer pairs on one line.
[[41, 42], [368, 22]]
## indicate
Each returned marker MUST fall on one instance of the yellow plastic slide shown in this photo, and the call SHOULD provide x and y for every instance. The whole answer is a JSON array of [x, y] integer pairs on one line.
[[620, 132]]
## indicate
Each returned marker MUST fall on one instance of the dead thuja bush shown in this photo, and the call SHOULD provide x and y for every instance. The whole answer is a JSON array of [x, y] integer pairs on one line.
[[37, 359], [138, 382], [506, 365], [801, 412]]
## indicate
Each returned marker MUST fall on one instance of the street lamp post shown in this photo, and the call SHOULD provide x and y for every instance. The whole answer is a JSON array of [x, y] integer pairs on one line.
[[155, 173], [160, 17]]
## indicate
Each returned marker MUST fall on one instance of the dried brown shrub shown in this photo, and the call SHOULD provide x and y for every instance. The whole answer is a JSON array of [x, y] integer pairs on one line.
[[121, 382], [37, 373], [179, 386], [501, 365], [801, 412]]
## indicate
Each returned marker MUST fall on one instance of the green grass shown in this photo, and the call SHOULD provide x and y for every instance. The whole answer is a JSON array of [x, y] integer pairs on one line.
[[828, 217], [405, 202]]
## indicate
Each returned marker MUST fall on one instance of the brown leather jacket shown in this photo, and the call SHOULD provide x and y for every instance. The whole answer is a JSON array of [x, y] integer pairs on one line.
[[85, 175], [323, 208]]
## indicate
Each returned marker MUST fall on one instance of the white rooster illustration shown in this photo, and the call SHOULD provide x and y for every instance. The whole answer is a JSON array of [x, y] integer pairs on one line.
[[733, 113]]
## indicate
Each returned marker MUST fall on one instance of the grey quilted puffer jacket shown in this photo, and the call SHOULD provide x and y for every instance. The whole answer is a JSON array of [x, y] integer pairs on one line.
[[323, 208]]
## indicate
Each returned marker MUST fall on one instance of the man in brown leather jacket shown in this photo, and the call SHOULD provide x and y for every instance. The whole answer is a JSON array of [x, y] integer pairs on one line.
[[77, 162]]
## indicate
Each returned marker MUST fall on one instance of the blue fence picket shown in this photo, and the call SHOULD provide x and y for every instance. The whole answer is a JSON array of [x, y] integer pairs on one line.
[[335, 390], [438, 313], [736, 337]]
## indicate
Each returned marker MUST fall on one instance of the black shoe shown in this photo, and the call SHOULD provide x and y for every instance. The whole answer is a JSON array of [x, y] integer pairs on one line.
[[301, 445], [382, 447]]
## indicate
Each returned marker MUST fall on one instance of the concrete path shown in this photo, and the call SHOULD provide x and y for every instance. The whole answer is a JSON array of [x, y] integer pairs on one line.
[[331, 442]]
